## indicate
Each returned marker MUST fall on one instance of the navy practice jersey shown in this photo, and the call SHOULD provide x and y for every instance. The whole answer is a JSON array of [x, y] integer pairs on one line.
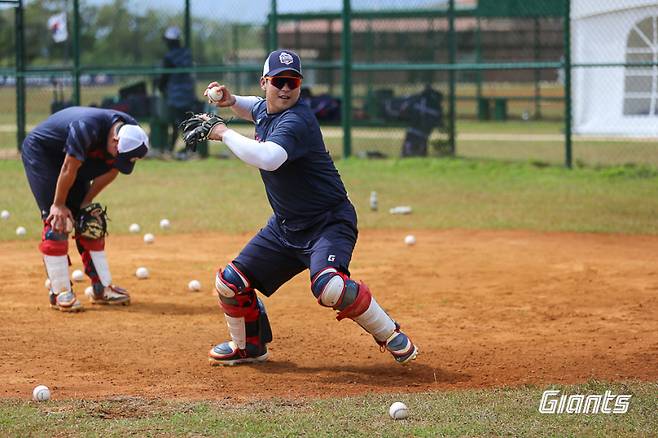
[[77, 131], [307, 185]]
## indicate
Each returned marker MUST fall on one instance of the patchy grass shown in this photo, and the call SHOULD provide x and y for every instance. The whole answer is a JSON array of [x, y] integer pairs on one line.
[[484, 412]]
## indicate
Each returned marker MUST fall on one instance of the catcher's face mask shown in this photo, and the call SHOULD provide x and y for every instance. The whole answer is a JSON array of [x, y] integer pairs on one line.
[[133, 145]]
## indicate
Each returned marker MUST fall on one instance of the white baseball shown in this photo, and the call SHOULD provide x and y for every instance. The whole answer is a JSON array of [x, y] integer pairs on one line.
[[149, 238], [21, 231], [41, 393], [47, 283], [398, 411], [142, 272], [164, 224], [134, 228], [4, 214], [89, 291], [410, 239], [215, 94], [194, 285], [77, 275]]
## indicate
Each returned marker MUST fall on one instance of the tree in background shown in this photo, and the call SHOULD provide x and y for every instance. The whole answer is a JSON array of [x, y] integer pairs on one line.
[[111, 34]]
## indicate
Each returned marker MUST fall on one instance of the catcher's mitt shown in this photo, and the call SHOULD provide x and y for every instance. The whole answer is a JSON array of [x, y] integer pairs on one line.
[[91, 222], [196, 129]]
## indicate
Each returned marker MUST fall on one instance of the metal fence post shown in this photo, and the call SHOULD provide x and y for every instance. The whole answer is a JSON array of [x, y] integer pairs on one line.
[[567, 84], [537, 58], [274, 25], [76, 52], [188, 25], [452, 75], [20, 77], [346, 104]]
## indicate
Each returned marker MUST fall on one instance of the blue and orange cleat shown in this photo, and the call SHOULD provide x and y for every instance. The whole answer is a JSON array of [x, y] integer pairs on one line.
[[227, 353]]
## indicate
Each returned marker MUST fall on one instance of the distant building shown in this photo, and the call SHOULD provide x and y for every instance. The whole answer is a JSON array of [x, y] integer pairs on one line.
[[615, 100]]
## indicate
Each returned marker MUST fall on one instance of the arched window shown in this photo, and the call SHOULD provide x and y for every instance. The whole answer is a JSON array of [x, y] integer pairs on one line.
[[641, 83]]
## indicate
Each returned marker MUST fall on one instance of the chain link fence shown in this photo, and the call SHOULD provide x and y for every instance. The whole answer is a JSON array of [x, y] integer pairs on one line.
[[490, 72]]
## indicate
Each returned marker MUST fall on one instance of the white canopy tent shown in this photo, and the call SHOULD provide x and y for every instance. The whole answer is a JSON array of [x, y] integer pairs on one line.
[[615, 101]]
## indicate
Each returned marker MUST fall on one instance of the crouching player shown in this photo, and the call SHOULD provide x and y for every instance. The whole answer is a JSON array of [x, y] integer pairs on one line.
[[68, 159]]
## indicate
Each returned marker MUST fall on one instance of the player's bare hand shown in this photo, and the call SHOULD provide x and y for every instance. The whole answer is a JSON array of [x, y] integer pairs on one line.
[[60, 218], [217, 132], [219, 95]]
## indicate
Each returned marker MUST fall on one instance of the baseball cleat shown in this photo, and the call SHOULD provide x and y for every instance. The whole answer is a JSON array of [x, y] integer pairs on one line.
[[108, 295], [401, 347], [65, 302], [227, 353]]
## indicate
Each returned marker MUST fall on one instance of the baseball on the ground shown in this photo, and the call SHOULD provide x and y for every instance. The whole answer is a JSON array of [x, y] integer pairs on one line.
[[134, 228], [47, 283], [149, 238], [21, 231], [398, 411], [194, 285], [77, 275], [215, 94], [89, 291], [410, 239], [142, 272], [4, 214], [41, 393], [164, 224]]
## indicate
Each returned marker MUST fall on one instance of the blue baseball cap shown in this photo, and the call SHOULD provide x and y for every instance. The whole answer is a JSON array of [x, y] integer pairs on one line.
[[282, 60]]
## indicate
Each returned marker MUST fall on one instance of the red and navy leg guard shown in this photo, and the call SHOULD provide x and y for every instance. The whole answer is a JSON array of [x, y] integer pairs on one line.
[[239, 302], [53, 243], [85, 246], [336, 290]]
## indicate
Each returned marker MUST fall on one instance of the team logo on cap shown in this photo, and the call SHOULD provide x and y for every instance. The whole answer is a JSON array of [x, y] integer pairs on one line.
[[286, 58]]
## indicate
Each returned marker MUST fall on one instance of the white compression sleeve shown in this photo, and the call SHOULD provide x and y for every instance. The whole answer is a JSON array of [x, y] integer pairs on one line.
[[267, 155], [243, 105]]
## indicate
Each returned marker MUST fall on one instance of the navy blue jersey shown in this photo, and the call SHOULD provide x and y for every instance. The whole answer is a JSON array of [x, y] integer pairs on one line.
[[179, 89], [307, 185], [77, 131]]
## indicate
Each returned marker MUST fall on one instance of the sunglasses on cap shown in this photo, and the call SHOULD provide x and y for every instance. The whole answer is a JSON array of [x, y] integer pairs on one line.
[[280, 81]]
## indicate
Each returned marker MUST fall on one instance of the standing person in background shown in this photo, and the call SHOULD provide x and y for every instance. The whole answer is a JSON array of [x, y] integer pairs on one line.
[[69, 159], [178, 88], [314, 225]]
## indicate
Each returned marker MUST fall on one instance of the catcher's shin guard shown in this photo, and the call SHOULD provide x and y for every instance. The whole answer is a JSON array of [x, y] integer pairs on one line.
[[246, 318], [61, 295], [336, 290], [92, 252], [54, 247]]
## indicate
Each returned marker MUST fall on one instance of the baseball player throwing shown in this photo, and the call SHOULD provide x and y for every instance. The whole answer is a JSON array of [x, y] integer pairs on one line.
[[314, 225], [68, 160]]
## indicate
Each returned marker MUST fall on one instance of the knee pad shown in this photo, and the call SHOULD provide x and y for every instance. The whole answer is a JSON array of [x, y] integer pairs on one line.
[[53, 243], [352, 300], [336, 290], [231, 281]]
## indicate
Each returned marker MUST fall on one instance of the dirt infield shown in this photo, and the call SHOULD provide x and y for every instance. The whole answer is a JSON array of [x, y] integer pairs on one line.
[[487, 309]]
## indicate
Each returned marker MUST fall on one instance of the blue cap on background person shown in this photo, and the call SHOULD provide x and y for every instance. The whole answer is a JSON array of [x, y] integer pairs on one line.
[[172, 33], [282, 60], [133, 145]]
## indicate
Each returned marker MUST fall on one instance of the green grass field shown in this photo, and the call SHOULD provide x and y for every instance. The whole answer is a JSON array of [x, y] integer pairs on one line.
[[495, 412], [225, 195]]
